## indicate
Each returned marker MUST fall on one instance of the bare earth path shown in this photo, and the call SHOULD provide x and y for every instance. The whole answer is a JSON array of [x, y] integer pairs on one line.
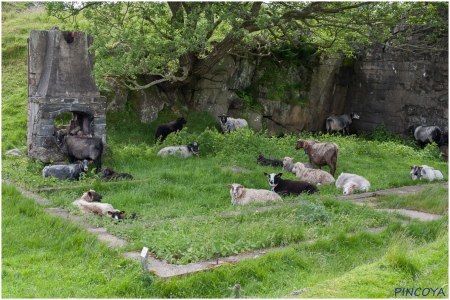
[[164, 269]]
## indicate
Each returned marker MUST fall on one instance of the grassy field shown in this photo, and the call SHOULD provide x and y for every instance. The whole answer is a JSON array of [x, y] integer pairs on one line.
[[185, 212]]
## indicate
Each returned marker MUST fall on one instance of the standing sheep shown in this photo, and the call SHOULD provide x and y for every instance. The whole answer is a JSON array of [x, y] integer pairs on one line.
[[230, 124], [350, 182], [312, 175], [241, 195], [321, 154], [62, 172], [426, 134], [81, 148], [342, 122], [163, 130]]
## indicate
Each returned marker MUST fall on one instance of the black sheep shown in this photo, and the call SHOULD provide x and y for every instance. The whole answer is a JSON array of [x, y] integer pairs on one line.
[[163, 130], [288, 187], [109, 173]]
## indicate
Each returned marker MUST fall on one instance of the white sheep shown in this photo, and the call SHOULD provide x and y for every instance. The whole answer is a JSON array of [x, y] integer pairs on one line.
[[241, 195], [350, 182], [288, 164], [230, 124], [86, 204], [312, 175], [184, 150], [425, 172]]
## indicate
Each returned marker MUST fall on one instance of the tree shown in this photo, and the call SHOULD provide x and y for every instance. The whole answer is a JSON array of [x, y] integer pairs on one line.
[[142, 44]]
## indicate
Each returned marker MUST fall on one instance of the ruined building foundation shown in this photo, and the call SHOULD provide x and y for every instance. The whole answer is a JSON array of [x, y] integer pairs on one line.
[[60, 81]]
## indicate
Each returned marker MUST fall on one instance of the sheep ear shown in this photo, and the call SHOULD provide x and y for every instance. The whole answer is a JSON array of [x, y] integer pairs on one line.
[[229, 186], [241, 186], [109, 212], [353, 186], [90, 162], [279, 174], [412, 167], [420, 168], [267, 175], [122, 212]]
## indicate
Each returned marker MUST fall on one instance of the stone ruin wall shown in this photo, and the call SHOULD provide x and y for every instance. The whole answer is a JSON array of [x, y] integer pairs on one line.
[[60, 81]]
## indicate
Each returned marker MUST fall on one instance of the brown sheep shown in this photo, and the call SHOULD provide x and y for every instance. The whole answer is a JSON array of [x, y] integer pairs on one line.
[[321, 154]]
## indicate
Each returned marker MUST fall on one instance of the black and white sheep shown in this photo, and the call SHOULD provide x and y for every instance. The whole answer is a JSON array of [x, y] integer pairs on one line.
[[342, 122], [183, 150], [163, 130], [351, 182], [62, 172], [109, 174], [230, 124], [426, 134], [425, 172], [288, 187], [79, 148], [260, 159], [241, 195]]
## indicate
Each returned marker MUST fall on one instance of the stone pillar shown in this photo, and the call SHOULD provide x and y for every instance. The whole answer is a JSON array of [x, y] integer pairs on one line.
[[60, 81]]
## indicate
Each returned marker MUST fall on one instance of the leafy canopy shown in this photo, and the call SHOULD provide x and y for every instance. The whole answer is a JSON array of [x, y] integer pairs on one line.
[[170, 43]]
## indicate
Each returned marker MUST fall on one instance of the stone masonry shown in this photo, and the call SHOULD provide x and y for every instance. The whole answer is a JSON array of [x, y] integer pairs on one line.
[[60, 81]]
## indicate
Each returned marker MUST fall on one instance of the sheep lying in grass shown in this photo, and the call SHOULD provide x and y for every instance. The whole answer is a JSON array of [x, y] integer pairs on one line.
[[350, 182], [184, 150], [312, 175], [241, 195], [425, 172], [288, 164], [260, 159]]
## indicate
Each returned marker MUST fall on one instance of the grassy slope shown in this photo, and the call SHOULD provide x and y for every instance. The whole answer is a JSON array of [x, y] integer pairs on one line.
[[275, 275]]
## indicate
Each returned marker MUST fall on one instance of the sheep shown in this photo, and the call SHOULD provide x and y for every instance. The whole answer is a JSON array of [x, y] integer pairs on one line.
[[81, 148], [320, 154], [342, 122], [163, 130], [260, 159], [425, 172], [184, 150], [86, 203], [288, 164], [241, 195], [350, 182], [62, 172], [426, 134], [108, 173], [230, 124], [119, 215], [288, 187], [312, 175]]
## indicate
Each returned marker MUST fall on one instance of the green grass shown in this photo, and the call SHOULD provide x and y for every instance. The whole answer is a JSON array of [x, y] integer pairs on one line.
[[185, 213]]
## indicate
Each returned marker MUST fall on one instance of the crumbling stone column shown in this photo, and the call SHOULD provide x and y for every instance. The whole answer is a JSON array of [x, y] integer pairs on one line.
[[60, 81]]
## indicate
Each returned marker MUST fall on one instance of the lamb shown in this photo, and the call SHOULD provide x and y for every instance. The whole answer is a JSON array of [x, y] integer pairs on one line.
[[62, 172], [184, 150], [230, 124], [425, 172], [288, 164], [312, 175], [320, 154], [241, 195], [108, 173], [342, 122], [426, 134], [163, 130], [81, 148], [288, 187], [260, 159], [351, 182]]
